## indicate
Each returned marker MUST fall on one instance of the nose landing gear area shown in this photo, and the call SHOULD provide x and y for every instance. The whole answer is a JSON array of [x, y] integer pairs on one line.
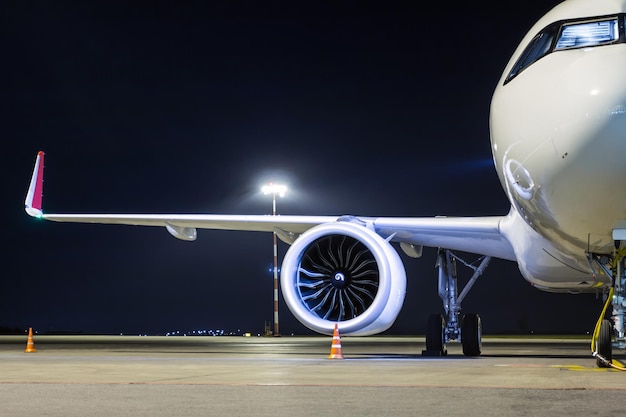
[[609, 334]]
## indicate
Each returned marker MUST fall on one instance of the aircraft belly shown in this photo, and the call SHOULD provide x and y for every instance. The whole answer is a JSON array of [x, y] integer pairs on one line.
[[546, 266]]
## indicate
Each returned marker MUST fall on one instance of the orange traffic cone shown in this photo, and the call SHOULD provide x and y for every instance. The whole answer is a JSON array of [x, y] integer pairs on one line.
[[335, 349], [30, 345]]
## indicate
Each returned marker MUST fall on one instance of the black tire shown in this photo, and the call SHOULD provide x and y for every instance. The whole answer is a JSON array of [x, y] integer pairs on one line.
[[434, 334], [471, 334], [604, 344]]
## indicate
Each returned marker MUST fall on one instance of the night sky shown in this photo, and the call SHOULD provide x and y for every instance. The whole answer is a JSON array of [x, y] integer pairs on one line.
[[377, 109]]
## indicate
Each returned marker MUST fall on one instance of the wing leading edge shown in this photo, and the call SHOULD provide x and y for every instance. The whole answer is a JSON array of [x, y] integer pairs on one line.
[[479, 235]]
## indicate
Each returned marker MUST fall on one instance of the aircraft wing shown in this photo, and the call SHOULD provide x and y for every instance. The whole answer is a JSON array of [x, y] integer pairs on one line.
[[181, 222], [479, 235]]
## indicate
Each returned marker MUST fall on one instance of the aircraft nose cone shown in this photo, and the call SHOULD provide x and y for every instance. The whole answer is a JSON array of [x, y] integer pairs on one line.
[[593, 121], [595, 84], [559, 138], [568, 101]]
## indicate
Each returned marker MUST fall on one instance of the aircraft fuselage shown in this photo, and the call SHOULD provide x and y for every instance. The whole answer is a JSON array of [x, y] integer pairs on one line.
[[558, 135]]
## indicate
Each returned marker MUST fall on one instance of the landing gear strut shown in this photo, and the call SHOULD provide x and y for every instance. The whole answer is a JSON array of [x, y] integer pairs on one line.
[[609, 335], [452, 326]]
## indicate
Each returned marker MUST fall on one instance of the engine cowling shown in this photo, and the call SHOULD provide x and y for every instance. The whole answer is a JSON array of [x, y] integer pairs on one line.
[[343, 273]]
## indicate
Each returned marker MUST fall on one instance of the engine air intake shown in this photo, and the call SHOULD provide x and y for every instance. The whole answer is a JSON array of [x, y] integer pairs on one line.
[[338, 278]]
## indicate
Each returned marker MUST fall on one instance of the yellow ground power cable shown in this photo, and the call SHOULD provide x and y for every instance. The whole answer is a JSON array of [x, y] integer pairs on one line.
[[596, 330]]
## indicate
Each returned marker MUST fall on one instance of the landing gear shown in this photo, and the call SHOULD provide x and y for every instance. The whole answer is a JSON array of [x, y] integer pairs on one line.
[[613, 266], [466, 329], [471, 335], [435, 343], [603, 345]]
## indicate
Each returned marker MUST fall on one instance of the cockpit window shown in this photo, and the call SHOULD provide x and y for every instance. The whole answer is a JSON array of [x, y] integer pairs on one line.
[[566, 35], [537, 48], [587, 34]]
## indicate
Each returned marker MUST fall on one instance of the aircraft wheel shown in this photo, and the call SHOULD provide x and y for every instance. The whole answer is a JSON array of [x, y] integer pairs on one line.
[[471, 334], [604, 346], [434, 334]]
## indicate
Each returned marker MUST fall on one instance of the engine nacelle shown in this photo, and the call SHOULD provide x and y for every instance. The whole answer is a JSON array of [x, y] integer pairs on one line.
[[343, 273]]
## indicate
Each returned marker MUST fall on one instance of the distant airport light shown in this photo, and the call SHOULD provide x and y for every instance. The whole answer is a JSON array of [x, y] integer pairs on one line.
[[276, 189]]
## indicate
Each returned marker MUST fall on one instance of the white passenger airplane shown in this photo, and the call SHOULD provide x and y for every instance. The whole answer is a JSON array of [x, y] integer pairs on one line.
[[558, 136]]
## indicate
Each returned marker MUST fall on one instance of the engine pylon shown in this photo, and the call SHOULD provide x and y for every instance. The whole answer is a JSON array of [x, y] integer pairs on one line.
[[335, 348]]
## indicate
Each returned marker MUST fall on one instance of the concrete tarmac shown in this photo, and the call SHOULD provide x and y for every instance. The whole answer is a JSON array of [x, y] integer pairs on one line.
[[291, 376]]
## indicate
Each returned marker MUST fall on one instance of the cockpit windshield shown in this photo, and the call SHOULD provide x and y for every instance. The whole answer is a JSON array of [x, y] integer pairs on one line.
[[567, 35], [586, 34]]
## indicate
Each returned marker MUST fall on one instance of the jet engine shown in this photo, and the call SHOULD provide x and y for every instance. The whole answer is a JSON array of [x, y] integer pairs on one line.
[[343, 273]]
